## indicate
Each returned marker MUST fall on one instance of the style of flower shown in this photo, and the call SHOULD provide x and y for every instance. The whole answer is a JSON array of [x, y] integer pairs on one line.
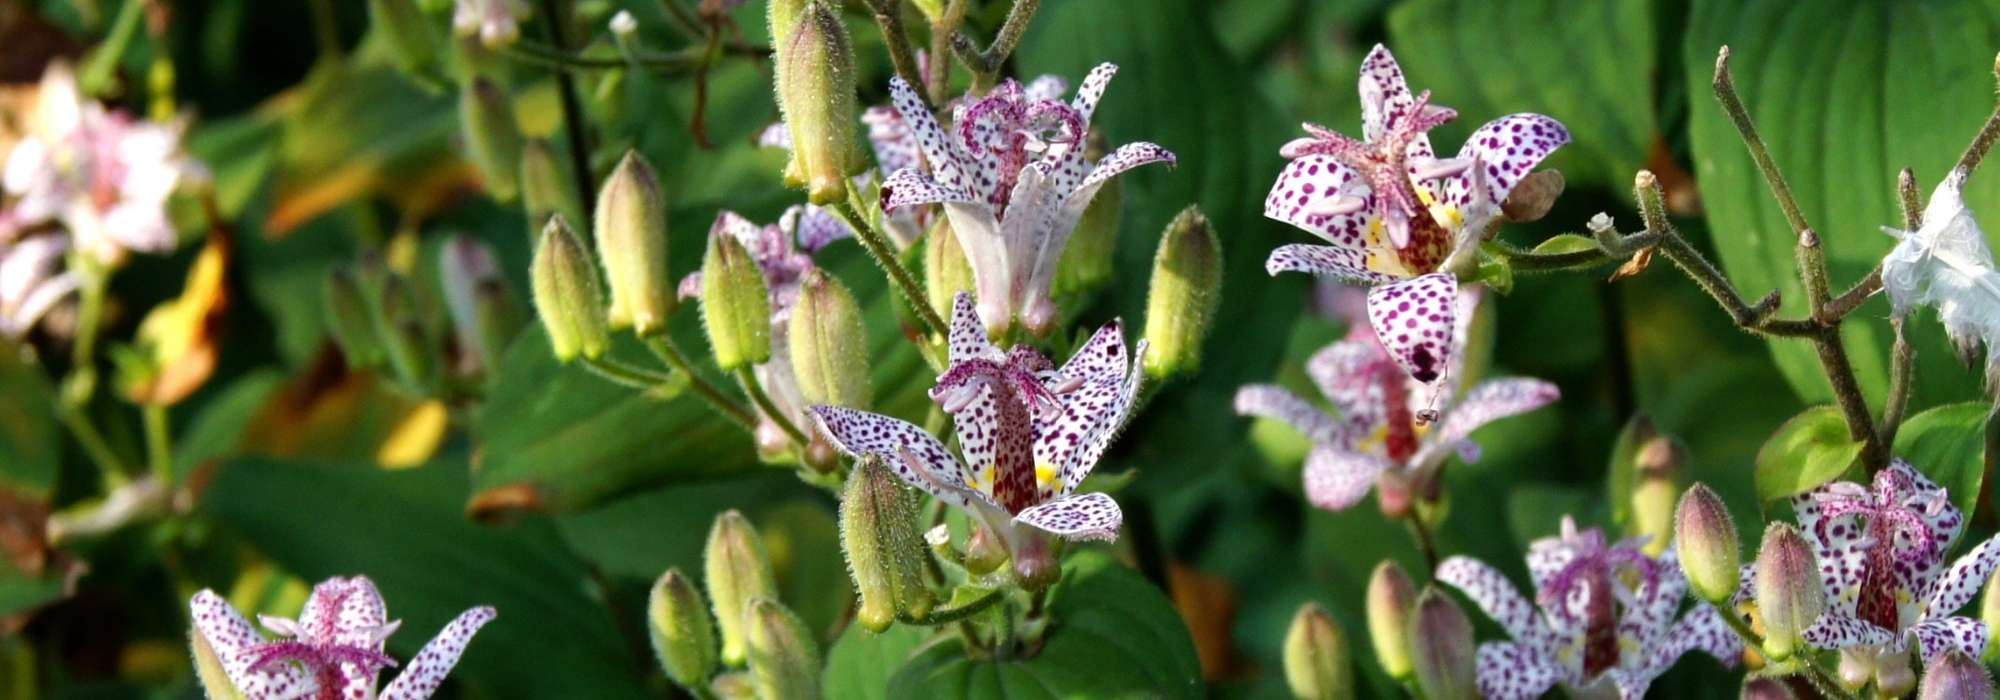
[[1395, 213], [333, 651], [1386, 426], [1881, 551], [1014, 180], [1029, 433], [1603, 615], [497, 23], [1945, 264]]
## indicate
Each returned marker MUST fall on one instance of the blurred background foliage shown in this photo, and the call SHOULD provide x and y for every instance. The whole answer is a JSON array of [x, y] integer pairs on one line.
[[560, 496]]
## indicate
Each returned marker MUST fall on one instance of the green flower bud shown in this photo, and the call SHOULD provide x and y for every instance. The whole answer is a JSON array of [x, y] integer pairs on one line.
[[1441, 648], [215, 683], [1989, 613], [683, 636], [735, 305], [1093, 246], [738, 571], [783, 16], [984, 552], [497, 321], [934, 10], [566, 295], [631, 234], [487, 119], [1789, 596], [885, 551], [350, 321], [1955, 676], [1765, 689], [1186, 284], [829, 350], [482, 313], [946, 269], [408, 33], [1316, 658], [546, 186], [784, 659], [1657, 466], [401, 328], [816, 93], [1706, 538], [1391, 598]]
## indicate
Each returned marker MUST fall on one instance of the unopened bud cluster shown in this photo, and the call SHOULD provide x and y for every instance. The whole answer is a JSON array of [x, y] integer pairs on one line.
[[380, 318], [753, 645]]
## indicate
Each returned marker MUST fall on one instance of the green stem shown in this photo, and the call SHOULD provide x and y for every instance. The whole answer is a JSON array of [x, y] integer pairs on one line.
[[1823, 680], [986, 64], [1981, 144], [878, 247], [626, 375], [557, 30], [669, 352], [941, 616], [94, 445], [938, 80], [1725, 92], [102, 64], [159, 443], [748, 377], [1902, 364], [1424, 541], [889, 17]]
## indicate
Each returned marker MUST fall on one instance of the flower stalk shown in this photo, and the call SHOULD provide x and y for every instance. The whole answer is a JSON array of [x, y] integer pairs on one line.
[[877, 245]]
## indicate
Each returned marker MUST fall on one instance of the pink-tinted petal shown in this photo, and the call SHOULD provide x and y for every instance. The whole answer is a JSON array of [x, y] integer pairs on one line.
[[968, 338], [776, 135], [1936, 636], [1504, 151], [1092, 90], [1336, 478], [1746, 584], [1965, 578], [1488, 402], [1487, 588], [232, 638], [1275, 402], [895, 147], [361, 621], [1350, 374], [1127, 157], [1631, 684], [1309, 194], [1331, 262], [1045, 87], [1935, 511], [1113, 420], [1414, 320], [814, 227], [1701, 628], [981, 437], [1651, 611], [1385, 94], [427, 670], [1510, 671], [937, 147], [1090, 516], [1092, 408], [1837, 546], [1837, 631], [919, 459], [910, 187]]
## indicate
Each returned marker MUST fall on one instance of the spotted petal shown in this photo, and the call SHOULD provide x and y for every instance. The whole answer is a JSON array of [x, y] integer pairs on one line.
[[814, 227], [1338, 478], [1494, 594], [1414, 319], [911, 187], [1488, 402], [1651, 612], [1091, 410], [919, 459], [938, 148], [1045, 87], [1385, 95], [1125, 158], [1936, 636], [1090, 516], [1331, 262], [1510, 671], [1839, 631], [1965, 578], [232, 637], [426, 671], [1308, 194], [1119, 411], [890, 136], [360, 622], [1701, 628], [1349, 374], [1092, 90], [1837, 546], [1276, 402], [968, 338], [1503, 151]]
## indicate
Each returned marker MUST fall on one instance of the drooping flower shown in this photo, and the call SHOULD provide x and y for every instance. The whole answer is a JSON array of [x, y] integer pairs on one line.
[[1014, 180], [1386, 426], [1945, 264], [1603, 614], [1882, 553], [1028, 431], [1394, 212], [333, 651], [497, 23]]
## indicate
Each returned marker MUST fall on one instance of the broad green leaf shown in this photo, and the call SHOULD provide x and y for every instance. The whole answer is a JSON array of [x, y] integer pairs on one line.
[[1112, 635], [28, 449], [1809, 450], [861, 662], [1948, 444], [1845, 95], [218, 429]]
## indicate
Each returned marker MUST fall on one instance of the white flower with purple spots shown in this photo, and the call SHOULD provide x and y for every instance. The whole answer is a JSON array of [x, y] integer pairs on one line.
[[333, 651], [497, 23], [1603, 618], [1014, 180], [1028, 431], [1385, 425], [1394, 213], [1881, 552]]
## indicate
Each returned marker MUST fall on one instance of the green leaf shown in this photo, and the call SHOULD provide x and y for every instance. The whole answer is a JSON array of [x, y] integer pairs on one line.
[[1565, 243], [860, 663], [1948, 444], [219, 428], [27, 426], [1112, 635], [1910, 82], [1535, 511], [1809, 450]]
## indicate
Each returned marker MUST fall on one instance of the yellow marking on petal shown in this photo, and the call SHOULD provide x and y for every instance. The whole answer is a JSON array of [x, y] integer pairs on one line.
[[1044, 473], [1424, 195]]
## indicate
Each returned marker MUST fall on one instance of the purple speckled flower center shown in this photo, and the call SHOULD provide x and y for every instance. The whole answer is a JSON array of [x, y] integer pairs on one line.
[[1015, 130], [319, 650], [1017, 395], [1383, 163], [1592, 571], [1897, 539]]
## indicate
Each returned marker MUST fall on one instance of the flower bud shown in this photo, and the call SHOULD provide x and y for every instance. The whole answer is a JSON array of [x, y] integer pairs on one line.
[[1789, 596], [1894, 679], [1955, 676], [546, 186], [487, 119], [350, 321], [407, 31], [631, 234], [946, 269], [816, 94], [1533, 196], [475, 298], [735, 305], [566, 295], [1856, 668], [1391, 597], [683, 636], [1093, 246], [401, 328], [784, 659], [1766, 689], [1316, 657], [829, 350], [1989, 613], [215, 682], [984, 552], [1706, 538], [1441, 648], [878, 531], [1186, 284], [496, 321], [1657, 466], [738, 571]]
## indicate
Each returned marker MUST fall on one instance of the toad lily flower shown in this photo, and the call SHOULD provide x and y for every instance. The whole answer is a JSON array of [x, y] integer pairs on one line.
[[1881, 551], [1945, 264], [1605, 618], [333, 651], [1014, 181], [1029, 433], [497, 23], [1384, 429], [1395, 213]]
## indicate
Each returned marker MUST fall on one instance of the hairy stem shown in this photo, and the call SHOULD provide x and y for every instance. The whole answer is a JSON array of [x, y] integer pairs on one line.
[[1821, 679], [625, 375], [1847, 392], [889, 16], [1989, 133], [941, 616], [1425, 543], [669, 352], [755, 389], [1725, 92], [878, 247], [1902, 364], [937, 80], [986, 64]]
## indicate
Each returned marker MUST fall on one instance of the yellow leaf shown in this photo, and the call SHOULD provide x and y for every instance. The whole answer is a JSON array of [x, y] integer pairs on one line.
[[416, 438]]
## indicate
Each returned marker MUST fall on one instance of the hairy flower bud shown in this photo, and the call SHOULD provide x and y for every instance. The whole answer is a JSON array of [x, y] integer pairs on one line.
[[738, 571], [411, 353], [946, 269], [984, 552], [486, 117], [1186, 284], [878, 532], [1441, 648], [1657, 464], [1093, 246], [1706, 538], [566, 294], [829, 350], [408, 33], [735, 305], [496, 320], [630, 227], [1755, 688], [215, 682], [1391, 598], [546, 186], [816, 94], [1955, 676], [1789, 596], [784, 659], [350, 321], [1317, 662], [683, 635]]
